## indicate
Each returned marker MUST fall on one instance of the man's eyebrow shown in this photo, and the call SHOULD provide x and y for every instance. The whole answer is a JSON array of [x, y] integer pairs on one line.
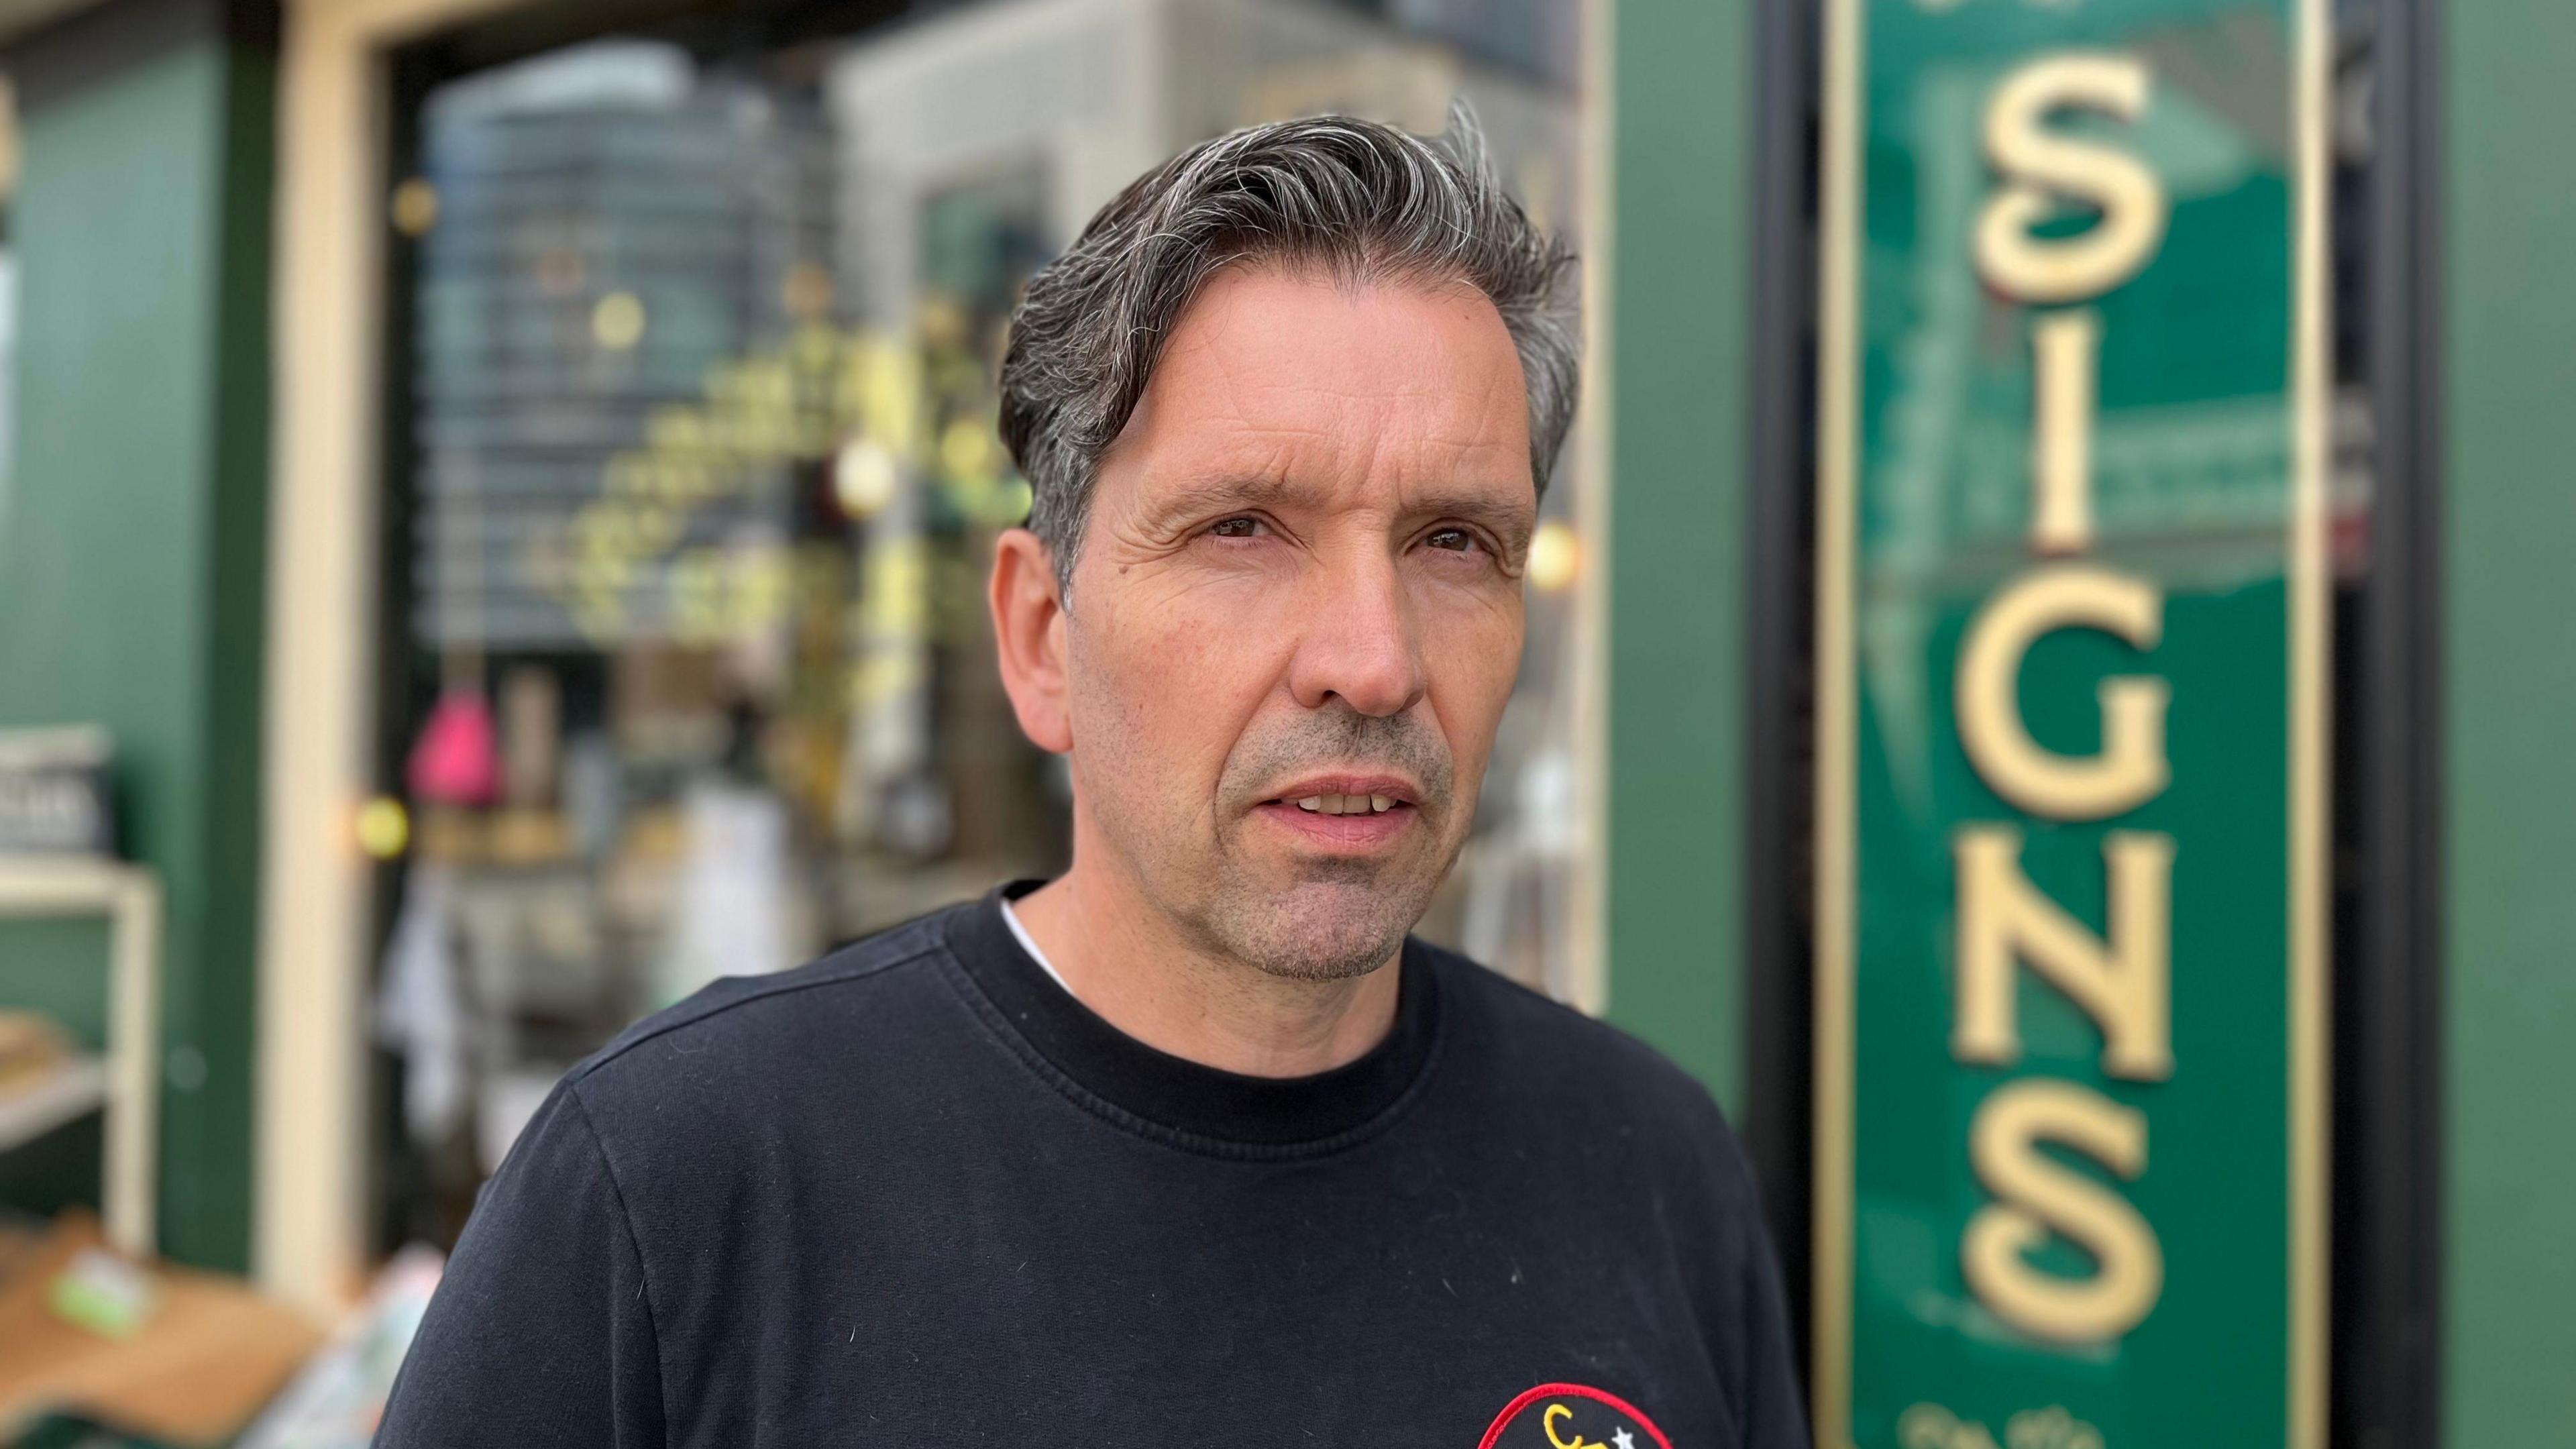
[[1233, 490], [1513, 520]]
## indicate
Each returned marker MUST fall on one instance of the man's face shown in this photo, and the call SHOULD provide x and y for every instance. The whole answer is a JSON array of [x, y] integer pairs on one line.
[[1299, 592]]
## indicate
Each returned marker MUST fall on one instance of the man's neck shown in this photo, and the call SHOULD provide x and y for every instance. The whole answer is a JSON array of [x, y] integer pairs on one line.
[[1126, 962]]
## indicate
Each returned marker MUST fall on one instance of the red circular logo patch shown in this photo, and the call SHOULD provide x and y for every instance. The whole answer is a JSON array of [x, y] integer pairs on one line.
[[1571, 1416]]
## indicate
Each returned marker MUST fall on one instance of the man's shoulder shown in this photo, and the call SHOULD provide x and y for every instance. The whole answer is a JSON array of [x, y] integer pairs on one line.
[[1573, 1080], [1574, 1057], [739, 1021]]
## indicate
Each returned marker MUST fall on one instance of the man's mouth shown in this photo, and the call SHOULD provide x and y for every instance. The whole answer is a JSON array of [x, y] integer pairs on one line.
[[1371, 794], [1343, 813]]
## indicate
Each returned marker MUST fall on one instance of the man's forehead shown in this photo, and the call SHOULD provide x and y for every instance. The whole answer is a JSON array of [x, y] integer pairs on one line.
[[1304, 329], [1288, 389]]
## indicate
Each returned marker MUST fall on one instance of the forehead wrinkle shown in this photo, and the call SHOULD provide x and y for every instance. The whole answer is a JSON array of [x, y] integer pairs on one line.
[[1204, 328], [1446, 441]]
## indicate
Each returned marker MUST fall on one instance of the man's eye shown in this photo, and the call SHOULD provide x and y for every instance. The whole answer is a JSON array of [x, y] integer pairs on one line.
[[1236, 527], [1455, 540]]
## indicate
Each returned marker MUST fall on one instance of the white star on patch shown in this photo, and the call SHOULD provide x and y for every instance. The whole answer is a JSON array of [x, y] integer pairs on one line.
[[1620, 1437]]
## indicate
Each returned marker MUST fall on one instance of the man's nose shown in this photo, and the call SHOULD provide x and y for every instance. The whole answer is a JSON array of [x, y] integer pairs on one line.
[[1358, 643]]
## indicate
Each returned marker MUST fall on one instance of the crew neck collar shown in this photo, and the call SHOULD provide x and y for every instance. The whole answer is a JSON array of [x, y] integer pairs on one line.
[[1184, 1096]]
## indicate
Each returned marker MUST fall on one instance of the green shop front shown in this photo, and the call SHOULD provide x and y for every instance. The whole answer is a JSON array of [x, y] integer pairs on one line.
[[2043, 690]]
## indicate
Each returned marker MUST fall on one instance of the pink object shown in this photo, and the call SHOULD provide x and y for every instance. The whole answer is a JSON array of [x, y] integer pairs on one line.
[[457, 759]]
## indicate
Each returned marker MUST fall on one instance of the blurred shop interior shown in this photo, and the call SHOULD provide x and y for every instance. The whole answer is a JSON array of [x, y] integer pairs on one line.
[[695, 478]]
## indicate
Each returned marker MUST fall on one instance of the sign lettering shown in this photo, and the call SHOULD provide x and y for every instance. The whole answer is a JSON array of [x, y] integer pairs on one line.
[[2067, 1162]]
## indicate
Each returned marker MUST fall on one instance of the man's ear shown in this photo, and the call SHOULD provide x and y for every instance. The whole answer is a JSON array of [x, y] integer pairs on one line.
[[1028, 632]]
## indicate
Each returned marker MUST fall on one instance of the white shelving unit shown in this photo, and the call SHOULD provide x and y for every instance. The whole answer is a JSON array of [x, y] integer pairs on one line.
[[125, 1083], [79, 1089]]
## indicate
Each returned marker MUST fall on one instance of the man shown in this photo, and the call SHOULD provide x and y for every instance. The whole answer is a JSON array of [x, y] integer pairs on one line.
[[1191, 1146]]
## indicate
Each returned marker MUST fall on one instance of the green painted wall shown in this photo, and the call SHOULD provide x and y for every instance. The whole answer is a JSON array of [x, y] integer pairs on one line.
[[132, 530], [1680, 274], [2509, 521]]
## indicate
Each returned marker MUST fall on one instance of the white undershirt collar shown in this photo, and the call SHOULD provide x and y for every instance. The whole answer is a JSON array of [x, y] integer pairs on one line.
[[1020, 933]]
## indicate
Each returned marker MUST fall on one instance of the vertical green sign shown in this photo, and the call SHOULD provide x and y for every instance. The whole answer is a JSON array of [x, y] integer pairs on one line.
[[2070, 1014]]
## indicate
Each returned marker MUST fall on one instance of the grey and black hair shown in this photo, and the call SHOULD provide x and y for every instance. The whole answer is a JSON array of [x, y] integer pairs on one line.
[[1360, 200]]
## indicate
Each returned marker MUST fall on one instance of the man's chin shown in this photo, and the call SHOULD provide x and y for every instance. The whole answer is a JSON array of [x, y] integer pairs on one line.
[[1330, 928]]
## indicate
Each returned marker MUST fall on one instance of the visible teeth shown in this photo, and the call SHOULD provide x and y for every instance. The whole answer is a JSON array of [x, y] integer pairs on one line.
[[1347, 804]]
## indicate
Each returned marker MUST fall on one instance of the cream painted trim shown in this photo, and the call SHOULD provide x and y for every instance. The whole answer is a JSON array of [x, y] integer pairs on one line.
[[130, 897], [1587, 938], [2311, 777], [308, 1240], [12, 150], [1837, 479]]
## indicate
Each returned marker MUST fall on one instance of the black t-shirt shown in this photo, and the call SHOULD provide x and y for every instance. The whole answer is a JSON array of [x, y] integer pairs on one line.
[[914, 1193]]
